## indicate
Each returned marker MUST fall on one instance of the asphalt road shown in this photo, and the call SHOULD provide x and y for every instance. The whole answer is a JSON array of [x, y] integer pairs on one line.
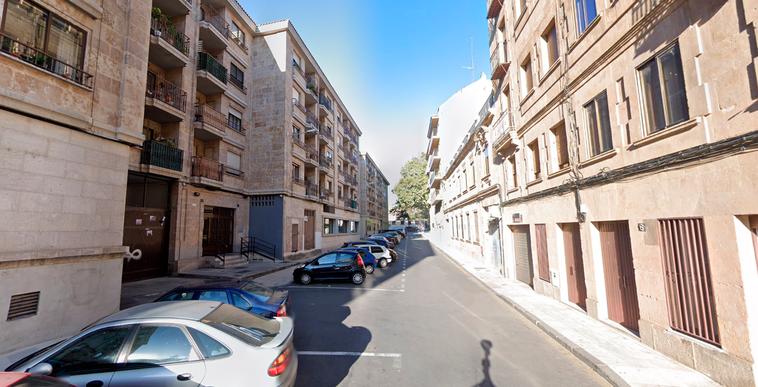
[[421, 321]]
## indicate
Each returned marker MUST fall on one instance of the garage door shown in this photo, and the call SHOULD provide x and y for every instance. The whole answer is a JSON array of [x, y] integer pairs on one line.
[[523, 253]]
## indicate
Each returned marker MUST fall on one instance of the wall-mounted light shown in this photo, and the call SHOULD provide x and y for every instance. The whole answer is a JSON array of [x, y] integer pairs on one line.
[[196, 194]]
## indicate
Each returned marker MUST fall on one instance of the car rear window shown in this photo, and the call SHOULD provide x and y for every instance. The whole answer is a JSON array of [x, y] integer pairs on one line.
[[250, 328], [257, 289], [179, 296]]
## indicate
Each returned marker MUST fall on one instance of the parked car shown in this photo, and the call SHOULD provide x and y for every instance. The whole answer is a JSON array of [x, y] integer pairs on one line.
[[390, 244], [400, 232], [382, 253], [411, 229], [330, 266], [167, 343], [396, 238], [248, 295], [379, 241], [24, 379], [369, 260], [390, 237]]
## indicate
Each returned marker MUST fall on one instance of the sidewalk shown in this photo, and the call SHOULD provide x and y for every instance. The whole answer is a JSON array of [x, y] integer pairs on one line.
[[619, 358]]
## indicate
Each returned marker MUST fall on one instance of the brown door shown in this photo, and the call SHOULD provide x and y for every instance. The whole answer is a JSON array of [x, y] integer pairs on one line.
[[523, 252], [618, 267], [543, 262], [310, 229], [295, 237], [218, 227], [572, 244], [146, 229]]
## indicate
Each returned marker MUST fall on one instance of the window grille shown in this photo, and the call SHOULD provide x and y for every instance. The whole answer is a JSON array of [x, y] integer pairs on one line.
[[23, 305]]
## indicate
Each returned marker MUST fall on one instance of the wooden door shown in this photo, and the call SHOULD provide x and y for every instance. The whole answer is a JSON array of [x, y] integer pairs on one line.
[[218, 230], [310, 230], [618, 267], [523, 253], [572, 245], [543, 262], [295, 237], [147, 230]]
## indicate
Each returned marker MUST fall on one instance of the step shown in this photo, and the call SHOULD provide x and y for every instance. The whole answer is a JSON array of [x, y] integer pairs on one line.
[[231, 261]]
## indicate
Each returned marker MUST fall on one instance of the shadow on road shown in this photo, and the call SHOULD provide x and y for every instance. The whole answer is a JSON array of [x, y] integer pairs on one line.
[[487, 382]]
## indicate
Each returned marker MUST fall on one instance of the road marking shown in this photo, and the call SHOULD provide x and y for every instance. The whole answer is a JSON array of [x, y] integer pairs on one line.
[[397, 357], [323, 287]]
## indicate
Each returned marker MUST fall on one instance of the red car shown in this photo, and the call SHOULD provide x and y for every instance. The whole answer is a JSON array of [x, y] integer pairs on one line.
[[23, 379]]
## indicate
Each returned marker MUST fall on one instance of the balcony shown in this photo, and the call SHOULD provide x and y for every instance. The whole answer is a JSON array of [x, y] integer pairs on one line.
[[298, 111], [164, 101], [326, 165], [350, 156], [326, 194], [311, 120], [351, 180], [173, 8], [434, 180], [41, 60], [350, 135], [493, 8], [324, 106], [311, 93], [311, 156], [214, 30], [203, 168], [325, 134], [161, 155], [298, 74], [311, 189], [210, 124], [169, 47], [504, 131], [499, 61], [433, 163], [211, 75]]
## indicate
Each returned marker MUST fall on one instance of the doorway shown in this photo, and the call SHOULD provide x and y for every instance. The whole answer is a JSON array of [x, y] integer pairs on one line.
[[618, 270], [218, 230], [523, 252], [310, 229], [146, 227], [572, 245]]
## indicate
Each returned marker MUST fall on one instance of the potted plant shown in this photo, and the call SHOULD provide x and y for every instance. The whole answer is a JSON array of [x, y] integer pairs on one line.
[[14, 49]]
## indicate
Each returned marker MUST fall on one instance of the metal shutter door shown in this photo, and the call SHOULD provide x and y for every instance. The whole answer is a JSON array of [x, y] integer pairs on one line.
[[523, 254]]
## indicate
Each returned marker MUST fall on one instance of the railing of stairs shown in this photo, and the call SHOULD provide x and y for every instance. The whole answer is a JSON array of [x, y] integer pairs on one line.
[[253, 245]]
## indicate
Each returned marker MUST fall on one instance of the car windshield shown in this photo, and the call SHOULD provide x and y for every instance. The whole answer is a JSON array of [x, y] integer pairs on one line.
[[248, 327], [257, 289]]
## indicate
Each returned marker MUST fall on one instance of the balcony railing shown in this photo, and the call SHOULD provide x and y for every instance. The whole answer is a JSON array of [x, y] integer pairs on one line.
[[311, 189], [297, 141], [499, 61], [297, 68], [208, 115], [326, 194], [298, 180], [208, 63], [165, 30], [350, 135], [312, 87], [162, 155], [235, 125], [234, 171], [325, 101], [325, 162], [207, 168], [238, 84], [350, 156], [212, 16], [40, 59], [325, 131], [503, 128], [311, 119], [166, 92], [311, 153], [298, 106]]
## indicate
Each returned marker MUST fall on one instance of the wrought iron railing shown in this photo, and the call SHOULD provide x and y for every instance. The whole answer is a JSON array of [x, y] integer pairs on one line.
[[236, 125], [166, 92], [207, 168], [161, 155], [325, 131], [311, 153], [44, 61], [165, 30], [312, 119], [253, 245], [311, 189], [310, 86], [234, 171], [208, 115], [208, 63], [298, 106], [298, 68], [326, 193], [215, 19], [238, 84], [298, 180], [325, 101], [325, 162]]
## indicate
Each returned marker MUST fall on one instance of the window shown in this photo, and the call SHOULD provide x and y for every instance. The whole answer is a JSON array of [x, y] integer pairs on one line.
[[486, 161], [599, 124], [241, 302], [343, 226], [328, 226], [296, 171], [476, 226], [512, 172], [559, 146], [233, 160], [158, 344], [237, 76], [208, 346], [465, 180], [181, 296], [238, 35], [234, 120], [295, 132], [214, 295], [664, 97], [549, 48], [585, 14], [79, 356], [521, 4], [533, 160], [347, 257], [526, 77], [473, 174], [468, 227], [33, 26]]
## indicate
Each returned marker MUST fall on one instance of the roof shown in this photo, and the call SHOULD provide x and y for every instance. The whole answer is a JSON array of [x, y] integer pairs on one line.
[[189, 310]]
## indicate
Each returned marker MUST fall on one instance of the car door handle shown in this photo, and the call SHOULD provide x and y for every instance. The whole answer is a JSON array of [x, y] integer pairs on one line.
[[95, 383], [184, 377]]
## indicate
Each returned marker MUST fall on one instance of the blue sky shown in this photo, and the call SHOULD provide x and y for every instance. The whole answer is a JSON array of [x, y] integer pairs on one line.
[[391, 62]]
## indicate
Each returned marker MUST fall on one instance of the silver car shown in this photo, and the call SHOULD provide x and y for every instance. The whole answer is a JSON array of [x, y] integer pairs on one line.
[[175, 343]]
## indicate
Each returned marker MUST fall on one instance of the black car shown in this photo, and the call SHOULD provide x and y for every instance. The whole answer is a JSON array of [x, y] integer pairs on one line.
[[400, 232], [248, 295], [340, 264]]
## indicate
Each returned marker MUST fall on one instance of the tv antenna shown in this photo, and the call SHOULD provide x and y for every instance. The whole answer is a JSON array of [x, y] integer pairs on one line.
[[472, 60]]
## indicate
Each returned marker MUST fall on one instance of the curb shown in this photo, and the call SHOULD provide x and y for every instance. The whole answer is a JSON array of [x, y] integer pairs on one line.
[[594, 363]]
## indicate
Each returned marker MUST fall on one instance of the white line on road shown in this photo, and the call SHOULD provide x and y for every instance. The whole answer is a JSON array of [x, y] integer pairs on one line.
[[397, 362], [321, 287]]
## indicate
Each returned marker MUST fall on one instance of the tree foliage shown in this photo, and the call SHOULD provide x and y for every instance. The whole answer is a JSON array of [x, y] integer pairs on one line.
[[411, 191]]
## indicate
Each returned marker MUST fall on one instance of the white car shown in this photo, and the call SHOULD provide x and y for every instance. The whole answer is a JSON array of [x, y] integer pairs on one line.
[[382, 254], [173, 343]]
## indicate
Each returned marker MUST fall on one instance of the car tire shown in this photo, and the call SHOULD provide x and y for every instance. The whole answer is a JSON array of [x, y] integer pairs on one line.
[[357, 278], [383, 263], [305, 278], [369, 269]]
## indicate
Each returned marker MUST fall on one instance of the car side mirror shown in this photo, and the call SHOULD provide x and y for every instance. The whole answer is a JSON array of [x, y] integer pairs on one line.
[[41, 369]]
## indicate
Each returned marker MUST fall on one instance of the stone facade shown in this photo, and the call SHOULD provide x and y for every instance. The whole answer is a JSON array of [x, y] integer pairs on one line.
[[587, 143], [373, 197]]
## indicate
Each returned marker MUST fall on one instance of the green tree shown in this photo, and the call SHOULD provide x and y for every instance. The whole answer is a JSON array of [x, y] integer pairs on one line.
[[411, 191]]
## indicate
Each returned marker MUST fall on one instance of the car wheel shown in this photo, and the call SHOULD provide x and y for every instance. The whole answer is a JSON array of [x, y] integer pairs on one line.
[[383, 263], [369, 269], [305, 278], [357, 278]]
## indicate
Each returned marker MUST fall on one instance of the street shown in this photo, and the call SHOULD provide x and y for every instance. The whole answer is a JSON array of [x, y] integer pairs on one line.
[[420, 321]]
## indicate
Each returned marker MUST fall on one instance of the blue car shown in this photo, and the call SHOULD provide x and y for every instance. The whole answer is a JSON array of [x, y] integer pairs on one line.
[[369, 260], [381, 241], [248, 295]]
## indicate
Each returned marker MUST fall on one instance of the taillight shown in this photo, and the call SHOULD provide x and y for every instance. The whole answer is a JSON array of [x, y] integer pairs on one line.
[[360, 260], [282, 312], [280, 364]]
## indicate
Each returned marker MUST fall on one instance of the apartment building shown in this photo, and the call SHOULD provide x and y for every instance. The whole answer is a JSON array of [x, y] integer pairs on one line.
[[305, 151], [373, 197], [187, 188], [620, 138], [72, 71]]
